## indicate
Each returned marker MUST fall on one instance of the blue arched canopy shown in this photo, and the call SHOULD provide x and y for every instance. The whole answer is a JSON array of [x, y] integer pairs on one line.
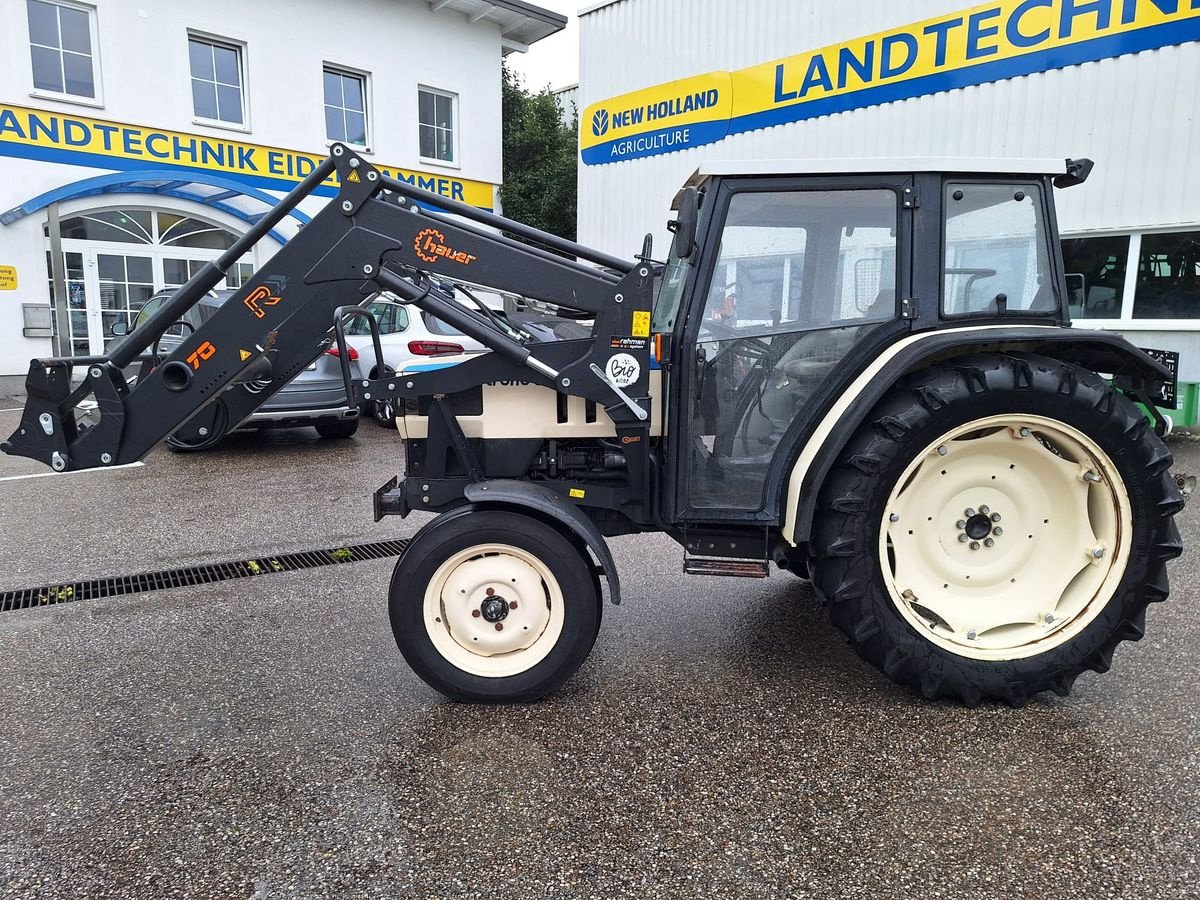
[[225, 194]]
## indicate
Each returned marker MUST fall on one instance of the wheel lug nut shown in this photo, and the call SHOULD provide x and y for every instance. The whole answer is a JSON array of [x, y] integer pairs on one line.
[[1091, 476], [984, 510], [962, 538], [1049, 618], [1024, 432], [512, 604], [499, 626], [476, 613], [974, 545], [998, 531], [995, 517], [942, 451], [971, 635], [1097, 552], [988, 542], [893, 518], [961, 523], [969, 511]]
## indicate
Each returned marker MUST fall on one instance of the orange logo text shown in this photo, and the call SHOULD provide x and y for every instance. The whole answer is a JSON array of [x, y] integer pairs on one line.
[[430, 244], [261, 294]]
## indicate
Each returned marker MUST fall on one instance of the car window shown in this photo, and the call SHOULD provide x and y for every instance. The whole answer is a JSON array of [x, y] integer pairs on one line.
[[437, 326], [392, 318], [149, 309]]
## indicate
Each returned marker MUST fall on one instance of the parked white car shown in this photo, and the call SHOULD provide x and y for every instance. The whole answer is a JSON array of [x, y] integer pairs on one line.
[[407, 335]]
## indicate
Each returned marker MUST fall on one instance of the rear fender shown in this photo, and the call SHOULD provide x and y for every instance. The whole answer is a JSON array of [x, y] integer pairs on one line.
[[1099, 351], [525, 496]]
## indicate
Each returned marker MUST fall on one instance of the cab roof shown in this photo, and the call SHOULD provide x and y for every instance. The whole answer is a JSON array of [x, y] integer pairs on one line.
[[872, 165], [879, 165]]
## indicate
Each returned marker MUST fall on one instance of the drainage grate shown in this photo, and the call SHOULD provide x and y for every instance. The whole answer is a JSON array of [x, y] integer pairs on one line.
[[67, 592]]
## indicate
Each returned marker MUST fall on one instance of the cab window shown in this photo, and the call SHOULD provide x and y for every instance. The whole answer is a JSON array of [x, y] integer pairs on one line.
[[996, 250]]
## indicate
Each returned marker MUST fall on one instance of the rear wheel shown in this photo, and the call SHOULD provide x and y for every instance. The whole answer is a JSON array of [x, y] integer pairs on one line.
[[998, 527], [339, 430], [493, 606]]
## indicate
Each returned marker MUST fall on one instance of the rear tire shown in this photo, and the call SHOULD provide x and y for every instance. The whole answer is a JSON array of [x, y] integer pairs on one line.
[[336, 431], [1073, 490], [444, 613]]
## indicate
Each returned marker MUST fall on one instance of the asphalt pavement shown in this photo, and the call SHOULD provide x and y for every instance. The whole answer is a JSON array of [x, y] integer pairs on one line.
[[262, 738]]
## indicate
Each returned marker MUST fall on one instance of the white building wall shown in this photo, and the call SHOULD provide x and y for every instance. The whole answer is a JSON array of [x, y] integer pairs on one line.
[[1134, 115], [145, 81]]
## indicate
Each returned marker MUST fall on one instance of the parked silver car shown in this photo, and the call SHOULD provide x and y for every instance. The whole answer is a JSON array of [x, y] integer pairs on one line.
[[316, 397]]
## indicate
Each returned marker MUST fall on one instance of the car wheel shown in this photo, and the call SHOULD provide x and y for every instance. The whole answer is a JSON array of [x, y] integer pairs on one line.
[[203, 432], [493, 606], [996, 528], [384, 413], [335, 431]]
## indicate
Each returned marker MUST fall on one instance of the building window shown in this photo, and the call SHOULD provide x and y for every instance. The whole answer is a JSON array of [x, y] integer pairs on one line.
[[1095, 269], [345, 106], [217, 82], [1168, 276], [436, 112], [61, 42]]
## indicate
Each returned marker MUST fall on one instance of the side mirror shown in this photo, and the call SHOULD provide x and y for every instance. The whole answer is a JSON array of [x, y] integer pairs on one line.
[[119, 328], [685, 226]]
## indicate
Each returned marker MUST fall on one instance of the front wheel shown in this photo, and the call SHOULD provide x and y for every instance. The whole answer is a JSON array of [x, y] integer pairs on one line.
[[493, 606], [997, 528]]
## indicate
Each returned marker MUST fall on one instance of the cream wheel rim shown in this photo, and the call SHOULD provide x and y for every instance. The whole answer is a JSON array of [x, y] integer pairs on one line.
[[493, 610], [1006, 537]]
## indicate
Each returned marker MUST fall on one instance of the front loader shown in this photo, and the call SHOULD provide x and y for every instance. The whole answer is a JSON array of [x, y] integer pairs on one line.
[[862, 372]]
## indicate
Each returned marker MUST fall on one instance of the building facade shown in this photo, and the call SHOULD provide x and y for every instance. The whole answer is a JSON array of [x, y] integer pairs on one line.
[[1114, 80], [148, 136]]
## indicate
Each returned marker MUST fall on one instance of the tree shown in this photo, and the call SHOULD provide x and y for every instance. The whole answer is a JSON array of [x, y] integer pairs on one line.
[[540, 159]]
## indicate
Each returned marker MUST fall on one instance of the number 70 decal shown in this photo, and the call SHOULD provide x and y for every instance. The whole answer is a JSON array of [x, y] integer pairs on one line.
[[201, 353]]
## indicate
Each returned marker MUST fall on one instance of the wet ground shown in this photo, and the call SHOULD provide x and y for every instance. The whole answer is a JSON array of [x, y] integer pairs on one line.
[[262, 738]]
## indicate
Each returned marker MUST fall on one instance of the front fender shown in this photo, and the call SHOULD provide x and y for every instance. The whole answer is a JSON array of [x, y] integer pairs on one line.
[[1100, 351], [528, 496]]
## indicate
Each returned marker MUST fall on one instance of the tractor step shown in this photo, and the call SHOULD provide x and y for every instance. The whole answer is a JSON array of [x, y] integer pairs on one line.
[[729, 568]]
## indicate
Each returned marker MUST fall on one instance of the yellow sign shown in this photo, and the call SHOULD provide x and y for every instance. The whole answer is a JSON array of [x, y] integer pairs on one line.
[[8, 278], [244, 354], [994, 41], [577, 494], [641, 324], [78, 140], [353, 177]]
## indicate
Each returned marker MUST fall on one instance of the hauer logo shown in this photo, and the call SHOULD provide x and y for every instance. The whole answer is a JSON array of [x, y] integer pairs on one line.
[[430, 245], [600, 122]]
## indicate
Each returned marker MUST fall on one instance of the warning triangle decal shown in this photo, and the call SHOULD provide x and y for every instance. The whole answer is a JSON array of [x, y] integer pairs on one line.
[[353, 177], [244, 354]]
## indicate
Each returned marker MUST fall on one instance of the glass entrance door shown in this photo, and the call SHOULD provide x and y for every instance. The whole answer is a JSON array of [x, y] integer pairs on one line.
[[119, 284]]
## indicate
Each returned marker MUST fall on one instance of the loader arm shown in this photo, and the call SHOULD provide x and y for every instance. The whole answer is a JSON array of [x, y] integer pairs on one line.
[[377, 233]]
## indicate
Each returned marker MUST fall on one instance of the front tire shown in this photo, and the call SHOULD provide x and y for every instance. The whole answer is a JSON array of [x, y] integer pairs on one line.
[[493, 606], [997, 527]]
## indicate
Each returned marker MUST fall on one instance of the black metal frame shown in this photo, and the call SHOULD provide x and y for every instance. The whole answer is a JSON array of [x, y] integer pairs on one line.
[[378, 233]]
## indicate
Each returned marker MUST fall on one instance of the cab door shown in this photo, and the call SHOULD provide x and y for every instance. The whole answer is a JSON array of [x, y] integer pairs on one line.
[[795, 275]]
